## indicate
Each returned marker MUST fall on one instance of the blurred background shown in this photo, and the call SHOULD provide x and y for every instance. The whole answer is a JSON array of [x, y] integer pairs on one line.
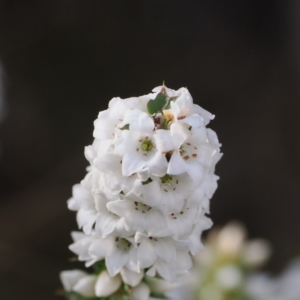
[[63, 60]]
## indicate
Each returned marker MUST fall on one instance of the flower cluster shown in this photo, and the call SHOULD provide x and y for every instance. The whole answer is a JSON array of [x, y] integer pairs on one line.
[[286, 286], [222, 268], [143, 203]]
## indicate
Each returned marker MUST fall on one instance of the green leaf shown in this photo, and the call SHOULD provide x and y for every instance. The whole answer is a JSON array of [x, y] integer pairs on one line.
[[156, 105], [99, 266], [168, 105], [125, 127], [147, 181]]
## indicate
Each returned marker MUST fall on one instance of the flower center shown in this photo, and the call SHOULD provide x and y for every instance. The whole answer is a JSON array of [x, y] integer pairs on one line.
[[139, 206], [187, 151], [147, 145], [169, 183], [167, 179], [122, 244]]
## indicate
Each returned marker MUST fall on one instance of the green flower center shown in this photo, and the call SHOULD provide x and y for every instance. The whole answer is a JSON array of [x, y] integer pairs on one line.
[[147, 145], [167, 179], [122, 244]]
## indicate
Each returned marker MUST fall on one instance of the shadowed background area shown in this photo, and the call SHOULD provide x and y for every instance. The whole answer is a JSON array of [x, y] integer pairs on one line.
[[63, 60]]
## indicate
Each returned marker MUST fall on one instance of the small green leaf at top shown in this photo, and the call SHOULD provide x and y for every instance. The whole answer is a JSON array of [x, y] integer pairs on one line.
[[168, 105], [156, 105]]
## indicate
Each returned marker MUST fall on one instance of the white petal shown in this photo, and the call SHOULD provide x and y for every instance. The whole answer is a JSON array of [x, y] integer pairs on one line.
[[139, 237], [140, 121], [163, 140], [86, 219], [179, 134], [198, 136], [115, 261], [158, 165], [196, 172], [165, 249], [89, 153], [108, 163], [152, 193], [156, 222], [213, 138], [151, 272], [86, 286], [77, 235], [176, 164], [193, 120], [166, 270], [82, 195], [183, 261], [73, 205], [70, 278], [106, 285], [100, 247], [132, 163], [105, 224], [143, 175], [120, 207], [131, 278], [146, 254], [207, 116], [132, 263], [141, 292]]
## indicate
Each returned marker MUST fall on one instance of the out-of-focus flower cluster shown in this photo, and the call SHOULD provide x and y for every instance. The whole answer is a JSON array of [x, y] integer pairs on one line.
[[222, 267], [226, 269], [284, 287], [143, 203]]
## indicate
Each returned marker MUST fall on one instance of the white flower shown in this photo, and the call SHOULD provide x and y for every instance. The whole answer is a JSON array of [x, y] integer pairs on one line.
[[229, 277], [141, 292], [106, 221], [139, 148], [284, 287], [86, 286], [256, 252], [142, 205], [195, 243], [118, 253], [130, 277], [111, 165], [181, 223], [152, 247], [106, 285], [70, 278], [183, 110], [108, 121], [137, 215], [164, 269], [79, 281], [168, 192], [193, 153], [173, 269]]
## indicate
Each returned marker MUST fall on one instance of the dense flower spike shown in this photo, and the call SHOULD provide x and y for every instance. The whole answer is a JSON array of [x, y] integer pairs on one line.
[[143, 203]]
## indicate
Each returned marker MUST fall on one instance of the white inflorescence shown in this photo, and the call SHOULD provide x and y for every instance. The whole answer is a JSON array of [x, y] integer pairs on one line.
[[143, 203]]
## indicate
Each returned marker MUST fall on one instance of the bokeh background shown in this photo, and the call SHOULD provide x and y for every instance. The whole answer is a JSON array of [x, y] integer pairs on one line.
[[63, 60]]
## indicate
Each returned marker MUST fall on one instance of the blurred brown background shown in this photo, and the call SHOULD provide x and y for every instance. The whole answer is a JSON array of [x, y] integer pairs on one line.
[[63, 60]]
